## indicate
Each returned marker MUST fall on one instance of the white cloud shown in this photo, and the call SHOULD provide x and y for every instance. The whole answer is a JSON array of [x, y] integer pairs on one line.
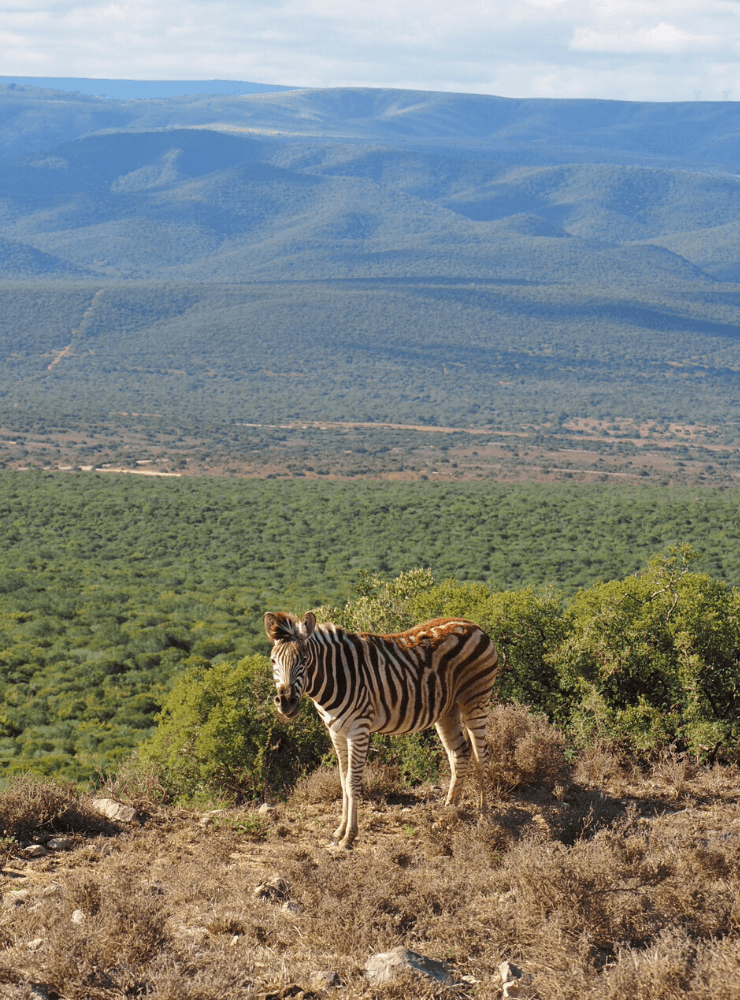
[[661, 38], [629, 49]]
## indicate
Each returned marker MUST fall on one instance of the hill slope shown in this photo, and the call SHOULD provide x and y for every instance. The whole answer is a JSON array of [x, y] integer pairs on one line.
[[566, 259]]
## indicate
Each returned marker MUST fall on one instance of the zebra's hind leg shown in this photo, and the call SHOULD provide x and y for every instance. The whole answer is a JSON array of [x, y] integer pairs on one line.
[[450, 732], [340, 748], [474, 719]]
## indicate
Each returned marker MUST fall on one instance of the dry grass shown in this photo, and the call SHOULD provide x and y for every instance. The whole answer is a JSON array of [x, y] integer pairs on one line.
[[31, 806], [628, 889], [524, 750]]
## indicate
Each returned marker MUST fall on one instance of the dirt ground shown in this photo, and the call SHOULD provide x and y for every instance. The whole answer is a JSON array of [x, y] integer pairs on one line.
[[576, 450], [615, 883]]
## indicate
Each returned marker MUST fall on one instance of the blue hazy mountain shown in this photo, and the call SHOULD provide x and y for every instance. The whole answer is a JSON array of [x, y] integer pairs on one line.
[[202, 204], [576, 256], [692, 134]]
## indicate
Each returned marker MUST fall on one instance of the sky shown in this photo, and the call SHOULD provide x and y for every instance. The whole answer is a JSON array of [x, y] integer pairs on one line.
[[649, 50]]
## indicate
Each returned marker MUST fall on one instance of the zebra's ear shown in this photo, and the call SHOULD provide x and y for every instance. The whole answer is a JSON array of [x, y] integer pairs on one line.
[[270, 622], [308, 624]]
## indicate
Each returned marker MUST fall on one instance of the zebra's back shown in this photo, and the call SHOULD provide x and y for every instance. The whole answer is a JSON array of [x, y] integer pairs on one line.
[[406, 681]]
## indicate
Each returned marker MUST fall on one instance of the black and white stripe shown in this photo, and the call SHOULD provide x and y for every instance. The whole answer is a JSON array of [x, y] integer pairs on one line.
[[440, 673]]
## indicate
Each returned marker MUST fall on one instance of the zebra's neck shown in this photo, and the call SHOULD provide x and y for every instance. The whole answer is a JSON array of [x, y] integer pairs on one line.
[[318, 662]]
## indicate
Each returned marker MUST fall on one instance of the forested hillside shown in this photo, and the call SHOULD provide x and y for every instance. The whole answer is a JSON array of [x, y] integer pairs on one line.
[[112, 585], [545, 268]]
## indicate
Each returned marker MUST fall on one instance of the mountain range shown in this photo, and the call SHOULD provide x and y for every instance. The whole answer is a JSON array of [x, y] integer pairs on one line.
[[608, 229]]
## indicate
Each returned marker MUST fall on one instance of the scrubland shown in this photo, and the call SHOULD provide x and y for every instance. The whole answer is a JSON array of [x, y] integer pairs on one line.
[[596, 877]]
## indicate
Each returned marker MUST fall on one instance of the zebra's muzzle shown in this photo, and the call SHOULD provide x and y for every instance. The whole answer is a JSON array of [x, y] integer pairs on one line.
[[287, 707]]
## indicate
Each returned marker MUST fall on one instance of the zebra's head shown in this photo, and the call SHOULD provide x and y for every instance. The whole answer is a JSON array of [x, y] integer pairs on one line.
[[289, 636]]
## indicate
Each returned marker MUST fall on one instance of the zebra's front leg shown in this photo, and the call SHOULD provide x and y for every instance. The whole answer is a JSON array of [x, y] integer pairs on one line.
[[339, 743], [357, 746]]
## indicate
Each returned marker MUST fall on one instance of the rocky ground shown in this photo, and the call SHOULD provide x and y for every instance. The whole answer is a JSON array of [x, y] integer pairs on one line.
[[614, 883]]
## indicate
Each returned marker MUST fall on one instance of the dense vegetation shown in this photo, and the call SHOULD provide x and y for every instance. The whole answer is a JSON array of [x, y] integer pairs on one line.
[[114, 585], [208, 359], [639, 666]]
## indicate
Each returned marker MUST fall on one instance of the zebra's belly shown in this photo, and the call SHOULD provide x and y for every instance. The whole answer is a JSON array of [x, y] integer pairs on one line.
[[401, 728], [380, 723], [392, 722]]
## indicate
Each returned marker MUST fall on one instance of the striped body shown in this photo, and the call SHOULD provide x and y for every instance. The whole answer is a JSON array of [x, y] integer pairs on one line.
[[440, 673]]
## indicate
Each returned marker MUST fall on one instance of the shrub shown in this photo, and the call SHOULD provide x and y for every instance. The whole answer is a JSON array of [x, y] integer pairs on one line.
[[524, 749], [381, 606], [322, 785], [29, 805], [219, 736], [654, 659]]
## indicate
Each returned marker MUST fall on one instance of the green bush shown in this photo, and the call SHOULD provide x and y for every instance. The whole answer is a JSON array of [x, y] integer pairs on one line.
[[635, 665], [219, 736], [654, 659]]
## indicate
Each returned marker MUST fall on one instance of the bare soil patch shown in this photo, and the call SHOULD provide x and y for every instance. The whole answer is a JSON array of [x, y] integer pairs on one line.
[[582, 450]]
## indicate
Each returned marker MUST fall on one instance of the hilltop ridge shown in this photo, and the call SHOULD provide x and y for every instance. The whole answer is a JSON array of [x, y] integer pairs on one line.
[[535, 130]]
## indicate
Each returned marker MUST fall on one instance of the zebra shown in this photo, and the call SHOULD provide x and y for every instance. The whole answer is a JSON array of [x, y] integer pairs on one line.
[[439, 673]]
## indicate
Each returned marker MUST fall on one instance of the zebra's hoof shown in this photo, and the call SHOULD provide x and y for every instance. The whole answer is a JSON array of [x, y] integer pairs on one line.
[[338, 848]]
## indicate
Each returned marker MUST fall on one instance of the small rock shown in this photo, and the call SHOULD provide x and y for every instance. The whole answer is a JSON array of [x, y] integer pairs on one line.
[[36, 851], [58, 844], [234, 941], [78, 917], [115, 810], [36, 943], [325, 979], [265, 810], [206, 818], [17, 898], [291, 907], [515, 982], [399, 962], [273, 891]]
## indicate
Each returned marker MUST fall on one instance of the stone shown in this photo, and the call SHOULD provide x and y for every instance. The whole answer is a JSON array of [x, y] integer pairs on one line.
[[515, 982], [275, 890], [36, 851], [291, 907], [58, 844], [115, 810], [17, 898], [78, 917], [399, 963], [207, 817], [324, 979]]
